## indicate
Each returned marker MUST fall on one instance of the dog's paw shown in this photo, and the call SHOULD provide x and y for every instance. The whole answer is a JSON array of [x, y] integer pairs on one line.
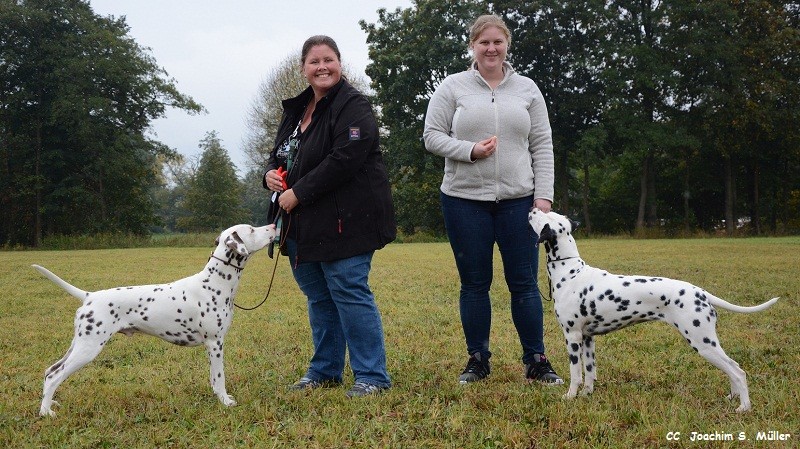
[[744, 408], [587, 391], [568, 396], [227, 400], [45, 409]]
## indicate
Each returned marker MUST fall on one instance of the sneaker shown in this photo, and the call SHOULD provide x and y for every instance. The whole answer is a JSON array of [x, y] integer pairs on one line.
[[541, 371], [360, 389], [476, 369], [306, 383]]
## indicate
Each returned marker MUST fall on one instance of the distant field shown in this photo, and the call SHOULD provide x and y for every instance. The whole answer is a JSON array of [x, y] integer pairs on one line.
[[143, 392]]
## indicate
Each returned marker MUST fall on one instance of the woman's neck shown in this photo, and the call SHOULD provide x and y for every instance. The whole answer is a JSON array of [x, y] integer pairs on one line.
[[493, 77]]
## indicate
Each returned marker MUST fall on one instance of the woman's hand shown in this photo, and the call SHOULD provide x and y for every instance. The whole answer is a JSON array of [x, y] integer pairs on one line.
[[542, 204], [484, 148], [273, 180], [288, 200]]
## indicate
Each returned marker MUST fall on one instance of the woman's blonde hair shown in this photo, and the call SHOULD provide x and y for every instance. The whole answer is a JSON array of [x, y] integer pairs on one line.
[[485, 21]]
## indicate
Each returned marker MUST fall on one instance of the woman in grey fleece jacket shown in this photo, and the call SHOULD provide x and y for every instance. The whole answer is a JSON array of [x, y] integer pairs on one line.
[[491, 126]]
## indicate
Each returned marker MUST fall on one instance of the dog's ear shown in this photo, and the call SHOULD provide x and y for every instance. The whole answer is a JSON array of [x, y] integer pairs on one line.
[[574, 224], [235, 243], [547, 235]]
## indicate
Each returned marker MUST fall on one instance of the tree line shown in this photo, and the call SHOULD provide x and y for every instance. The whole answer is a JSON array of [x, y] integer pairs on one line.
[[667, 116]]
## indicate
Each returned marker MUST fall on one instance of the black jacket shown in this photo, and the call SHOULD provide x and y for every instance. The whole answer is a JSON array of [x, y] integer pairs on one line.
[[338, 177]]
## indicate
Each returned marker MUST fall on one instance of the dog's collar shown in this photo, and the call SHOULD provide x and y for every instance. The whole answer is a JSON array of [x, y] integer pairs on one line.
[[561, 259], [226, 262]]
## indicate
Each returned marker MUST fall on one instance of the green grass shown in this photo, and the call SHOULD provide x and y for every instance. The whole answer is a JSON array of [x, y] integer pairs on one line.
[[143, 392]]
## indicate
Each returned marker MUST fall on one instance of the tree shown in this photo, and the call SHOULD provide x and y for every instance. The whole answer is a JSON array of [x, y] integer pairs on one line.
[[255, 198], [665, 114], [214, 194], [557, 43], [412, 51], [77, 96]]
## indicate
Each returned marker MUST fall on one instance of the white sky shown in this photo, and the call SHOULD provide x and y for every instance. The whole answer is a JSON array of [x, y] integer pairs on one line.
[[219, 52]]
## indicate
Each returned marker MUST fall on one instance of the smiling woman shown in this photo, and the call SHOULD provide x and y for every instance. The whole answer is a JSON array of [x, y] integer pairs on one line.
[[491, 126], [331, 192]]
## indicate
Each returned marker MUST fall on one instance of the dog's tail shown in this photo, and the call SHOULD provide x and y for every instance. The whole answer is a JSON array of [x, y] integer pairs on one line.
[[741, 309], [69, 288]]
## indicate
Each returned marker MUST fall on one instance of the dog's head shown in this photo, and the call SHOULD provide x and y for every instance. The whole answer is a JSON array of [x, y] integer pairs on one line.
[[242, 240], [552, 229]]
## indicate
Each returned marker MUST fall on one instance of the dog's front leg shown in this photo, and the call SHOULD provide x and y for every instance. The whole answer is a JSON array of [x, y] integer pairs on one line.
[[574, 347], [216, 360], [589, 365]]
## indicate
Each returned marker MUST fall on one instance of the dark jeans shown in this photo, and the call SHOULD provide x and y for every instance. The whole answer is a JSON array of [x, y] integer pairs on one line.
[[343, 317], [473, 228]]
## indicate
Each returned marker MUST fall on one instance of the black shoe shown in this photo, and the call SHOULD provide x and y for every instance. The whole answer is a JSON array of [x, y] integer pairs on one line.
[[306, 383], [360, 389], [476, 369], [540, 371]]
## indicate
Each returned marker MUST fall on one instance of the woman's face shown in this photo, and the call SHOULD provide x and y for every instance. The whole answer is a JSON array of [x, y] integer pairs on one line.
[[322, 69], [490, 48]]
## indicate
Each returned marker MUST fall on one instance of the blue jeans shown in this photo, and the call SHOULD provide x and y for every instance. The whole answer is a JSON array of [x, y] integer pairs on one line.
[[343, 316], [473, 228]]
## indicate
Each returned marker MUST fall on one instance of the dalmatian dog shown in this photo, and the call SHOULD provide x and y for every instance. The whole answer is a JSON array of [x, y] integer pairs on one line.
[[189, 312], [589, 301]]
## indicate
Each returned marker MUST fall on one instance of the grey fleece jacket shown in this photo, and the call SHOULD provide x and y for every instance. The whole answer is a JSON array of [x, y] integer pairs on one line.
[[465, 110]]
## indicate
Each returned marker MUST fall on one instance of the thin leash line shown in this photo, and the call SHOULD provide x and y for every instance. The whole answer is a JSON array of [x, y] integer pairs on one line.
[[274, 268], [269, 289], [550, 281]]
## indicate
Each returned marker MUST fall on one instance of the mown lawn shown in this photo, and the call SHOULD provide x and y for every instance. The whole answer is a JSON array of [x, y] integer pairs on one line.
[[143, 392]]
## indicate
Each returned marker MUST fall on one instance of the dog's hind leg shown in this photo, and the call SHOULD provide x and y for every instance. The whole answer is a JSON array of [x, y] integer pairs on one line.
[[574, 342], [589, 365], [709, 348], [79, 354], [214, 348]]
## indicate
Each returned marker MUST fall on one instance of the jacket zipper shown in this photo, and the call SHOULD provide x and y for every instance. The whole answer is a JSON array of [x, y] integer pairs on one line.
[[338, 214], [497, 153]]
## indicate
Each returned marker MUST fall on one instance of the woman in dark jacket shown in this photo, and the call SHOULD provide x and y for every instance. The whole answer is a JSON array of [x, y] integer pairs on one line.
[[332, 191]]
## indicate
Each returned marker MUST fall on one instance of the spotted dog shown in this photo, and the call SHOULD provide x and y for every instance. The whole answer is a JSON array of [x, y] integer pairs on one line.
[[589, 301], [189, 312]]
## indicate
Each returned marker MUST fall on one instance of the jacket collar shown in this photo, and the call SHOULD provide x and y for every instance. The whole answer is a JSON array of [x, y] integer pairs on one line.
[[507, 69]]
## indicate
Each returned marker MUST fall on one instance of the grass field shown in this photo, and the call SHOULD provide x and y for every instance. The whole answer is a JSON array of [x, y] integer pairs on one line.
[[143, 392]]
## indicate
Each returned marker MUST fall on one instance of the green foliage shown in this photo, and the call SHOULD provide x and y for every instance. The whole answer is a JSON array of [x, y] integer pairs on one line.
[[412, 51], [142, 392], [677, 114], [77, 95], [256, 199], [214, 194]]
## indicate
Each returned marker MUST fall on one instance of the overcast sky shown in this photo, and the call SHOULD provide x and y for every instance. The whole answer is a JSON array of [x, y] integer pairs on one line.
[[220, 51]]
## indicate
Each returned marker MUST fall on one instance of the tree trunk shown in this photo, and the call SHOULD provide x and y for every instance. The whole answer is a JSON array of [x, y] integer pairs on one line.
[[652, 209], [37, 213], [562, 181], [642, 195], [586, 219], [686, 196], [730, 197], [755, 212]]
